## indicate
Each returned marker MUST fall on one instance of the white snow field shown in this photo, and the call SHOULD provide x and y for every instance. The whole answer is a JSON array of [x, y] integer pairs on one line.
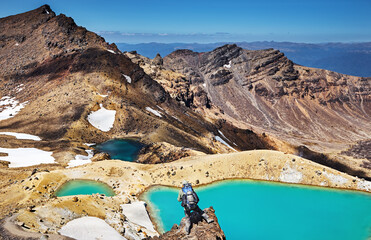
[[102, 119], [228, 65], [25, 157], [136, 213], [24, 136], [111, 51], [90, 228], [219, 139], [81, 159], [9, 107]]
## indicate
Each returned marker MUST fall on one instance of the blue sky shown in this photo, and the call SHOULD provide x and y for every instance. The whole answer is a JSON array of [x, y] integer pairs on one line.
[[214, 21]]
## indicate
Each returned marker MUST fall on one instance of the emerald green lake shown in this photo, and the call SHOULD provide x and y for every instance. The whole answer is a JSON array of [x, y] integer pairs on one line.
[[122, 149], [84, 187], [261, 210]]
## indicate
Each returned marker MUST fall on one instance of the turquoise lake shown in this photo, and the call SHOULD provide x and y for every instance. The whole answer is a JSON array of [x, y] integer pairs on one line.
[[84, 187], [260, 210], [122, 149]]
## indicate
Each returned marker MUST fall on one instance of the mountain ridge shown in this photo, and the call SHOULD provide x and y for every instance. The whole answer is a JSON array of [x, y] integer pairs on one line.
[[346, 58], [313, 109]]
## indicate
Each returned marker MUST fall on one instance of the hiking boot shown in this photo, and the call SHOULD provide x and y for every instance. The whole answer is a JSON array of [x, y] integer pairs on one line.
[[206, 217]]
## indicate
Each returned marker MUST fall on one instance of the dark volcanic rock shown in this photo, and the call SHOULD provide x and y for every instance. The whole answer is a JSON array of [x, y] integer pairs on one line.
[[200, 231], [360, 150], [158, 60]]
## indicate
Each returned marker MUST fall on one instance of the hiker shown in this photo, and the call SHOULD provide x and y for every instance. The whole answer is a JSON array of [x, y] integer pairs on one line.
[[189, 200]]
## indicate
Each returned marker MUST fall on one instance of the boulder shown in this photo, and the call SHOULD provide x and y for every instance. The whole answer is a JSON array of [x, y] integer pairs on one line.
[[158, 60], [100, 157], [200, 230]]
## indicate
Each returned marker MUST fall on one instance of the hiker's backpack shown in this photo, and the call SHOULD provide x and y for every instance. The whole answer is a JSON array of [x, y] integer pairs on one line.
[[189, 198]]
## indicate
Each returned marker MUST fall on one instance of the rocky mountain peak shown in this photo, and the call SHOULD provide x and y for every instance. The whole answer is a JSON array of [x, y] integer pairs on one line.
[[227, 50], [24, 23], [158, 60], [30, 38]]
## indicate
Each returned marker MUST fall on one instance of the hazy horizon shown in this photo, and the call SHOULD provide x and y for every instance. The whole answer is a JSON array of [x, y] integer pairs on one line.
[[232, 42]]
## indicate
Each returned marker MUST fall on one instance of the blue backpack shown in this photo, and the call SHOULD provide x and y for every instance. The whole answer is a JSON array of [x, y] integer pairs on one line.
[[189, 198]]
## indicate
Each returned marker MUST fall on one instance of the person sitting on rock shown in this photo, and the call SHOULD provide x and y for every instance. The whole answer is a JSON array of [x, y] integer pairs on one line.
[[189, 200]]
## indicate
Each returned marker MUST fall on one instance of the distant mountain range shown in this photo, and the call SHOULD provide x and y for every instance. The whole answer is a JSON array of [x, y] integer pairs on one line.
[[347, 58]]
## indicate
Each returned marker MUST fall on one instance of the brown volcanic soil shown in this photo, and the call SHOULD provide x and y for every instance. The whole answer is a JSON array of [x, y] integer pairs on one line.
[[63, 69], [310, 112]]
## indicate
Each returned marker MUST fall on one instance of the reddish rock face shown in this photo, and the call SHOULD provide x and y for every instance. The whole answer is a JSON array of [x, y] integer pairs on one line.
[[322, 110], [266, 90]]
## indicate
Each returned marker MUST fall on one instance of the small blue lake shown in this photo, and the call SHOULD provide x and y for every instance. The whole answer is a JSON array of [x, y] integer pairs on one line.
[[84, 187], [122, 149], [261, 210]]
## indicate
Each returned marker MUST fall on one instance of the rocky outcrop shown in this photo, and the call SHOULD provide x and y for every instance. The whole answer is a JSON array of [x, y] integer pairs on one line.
[[158, 60], [200, 230], [361, 150], [163, 152]]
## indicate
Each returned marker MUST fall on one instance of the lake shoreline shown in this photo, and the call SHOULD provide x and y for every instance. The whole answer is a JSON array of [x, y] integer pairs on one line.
[[130, 179], [159, 225]]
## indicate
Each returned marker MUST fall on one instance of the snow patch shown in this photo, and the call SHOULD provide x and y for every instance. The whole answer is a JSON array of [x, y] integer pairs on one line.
[[157, 113], [22, 136], [19, 88], [81, 159], [337, 179], [17, 44], [25, 157], [111, 51], [177, 119], [220, 132], [87, 228], [136, 213], [9, 107], [219, 139], [290, 175], [103, 96], [47, 12], [90, 144], [128, 79], [204, 85], [228, 65], [364, 185], [102, 119]]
